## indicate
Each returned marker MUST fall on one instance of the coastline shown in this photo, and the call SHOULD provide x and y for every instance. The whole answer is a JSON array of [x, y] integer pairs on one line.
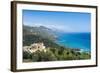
[[75, 41]]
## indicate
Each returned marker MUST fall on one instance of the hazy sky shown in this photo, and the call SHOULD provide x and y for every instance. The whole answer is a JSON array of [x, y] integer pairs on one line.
[[63, 21]]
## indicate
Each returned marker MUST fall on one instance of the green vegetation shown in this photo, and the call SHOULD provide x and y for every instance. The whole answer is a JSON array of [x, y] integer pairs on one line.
[[43, 56], [54, 52], [56, 55], [41, 31]]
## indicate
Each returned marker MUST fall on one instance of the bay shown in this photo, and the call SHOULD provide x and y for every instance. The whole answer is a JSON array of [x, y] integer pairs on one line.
[[81, 41]]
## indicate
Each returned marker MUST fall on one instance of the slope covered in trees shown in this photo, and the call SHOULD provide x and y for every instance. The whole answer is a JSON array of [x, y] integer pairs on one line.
[[54, 51]]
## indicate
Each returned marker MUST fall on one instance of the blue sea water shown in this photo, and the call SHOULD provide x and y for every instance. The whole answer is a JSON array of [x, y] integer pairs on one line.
[[75, 40]]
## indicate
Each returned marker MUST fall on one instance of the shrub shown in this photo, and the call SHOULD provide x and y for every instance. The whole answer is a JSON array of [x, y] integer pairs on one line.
[[43, 56], [26, 55]]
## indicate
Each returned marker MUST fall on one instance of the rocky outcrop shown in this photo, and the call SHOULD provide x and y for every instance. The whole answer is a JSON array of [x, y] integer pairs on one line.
[[34, 47]]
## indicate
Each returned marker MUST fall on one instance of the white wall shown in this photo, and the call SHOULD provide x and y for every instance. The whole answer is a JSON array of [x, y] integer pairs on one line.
[[5, 38]]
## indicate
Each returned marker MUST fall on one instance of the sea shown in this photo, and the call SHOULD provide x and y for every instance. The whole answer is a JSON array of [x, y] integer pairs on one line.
[[80, 41]]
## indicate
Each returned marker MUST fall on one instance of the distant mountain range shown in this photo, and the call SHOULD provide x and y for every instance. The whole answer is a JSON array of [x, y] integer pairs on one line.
[[39, 34], [42, 31]]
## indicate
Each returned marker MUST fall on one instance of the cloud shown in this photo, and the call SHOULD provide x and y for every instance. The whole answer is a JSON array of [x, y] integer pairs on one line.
[[62, 27]]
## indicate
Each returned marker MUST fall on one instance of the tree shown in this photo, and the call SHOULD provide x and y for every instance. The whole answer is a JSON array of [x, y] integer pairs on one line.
[[26, 55], [43, 56]]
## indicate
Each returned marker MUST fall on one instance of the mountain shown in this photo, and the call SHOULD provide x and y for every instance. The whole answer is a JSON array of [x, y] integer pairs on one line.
[[41, 31], [39, 34]]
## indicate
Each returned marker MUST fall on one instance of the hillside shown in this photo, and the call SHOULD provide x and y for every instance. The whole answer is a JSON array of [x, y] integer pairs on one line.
[[53, 50], [40, 31]]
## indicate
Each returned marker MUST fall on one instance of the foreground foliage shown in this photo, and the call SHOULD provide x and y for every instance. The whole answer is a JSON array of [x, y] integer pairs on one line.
[[55, 55]]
